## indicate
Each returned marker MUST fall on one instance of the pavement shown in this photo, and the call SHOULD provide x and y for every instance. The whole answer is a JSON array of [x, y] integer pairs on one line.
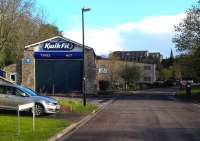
[[151, 115]]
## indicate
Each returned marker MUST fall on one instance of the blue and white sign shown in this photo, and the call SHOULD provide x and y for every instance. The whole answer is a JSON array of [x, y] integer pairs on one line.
[[58, 48], [59, 45], [2, 73], [27, 61], [58, 55]]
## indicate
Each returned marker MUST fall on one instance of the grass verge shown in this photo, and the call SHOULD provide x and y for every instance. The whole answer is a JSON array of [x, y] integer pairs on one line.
[[44, 128], [76, 107], [195, 92]]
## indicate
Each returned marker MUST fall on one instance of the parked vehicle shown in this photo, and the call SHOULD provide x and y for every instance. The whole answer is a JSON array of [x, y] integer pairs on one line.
[[195, 84], [13, 95]]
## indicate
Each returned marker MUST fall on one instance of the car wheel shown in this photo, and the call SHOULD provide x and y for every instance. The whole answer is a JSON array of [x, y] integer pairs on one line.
[[39, 110]]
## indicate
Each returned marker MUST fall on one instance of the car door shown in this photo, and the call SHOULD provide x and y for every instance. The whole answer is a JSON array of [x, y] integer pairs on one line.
[[2, 96], [5, 96], [19, 98], [8, 98]]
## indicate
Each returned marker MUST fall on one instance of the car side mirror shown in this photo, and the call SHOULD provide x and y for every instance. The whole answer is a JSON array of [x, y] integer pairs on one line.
[[24, 95]]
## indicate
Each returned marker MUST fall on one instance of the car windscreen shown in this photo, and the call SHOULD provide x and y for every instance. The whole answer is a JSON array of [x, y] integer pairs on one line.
[[28, 91]]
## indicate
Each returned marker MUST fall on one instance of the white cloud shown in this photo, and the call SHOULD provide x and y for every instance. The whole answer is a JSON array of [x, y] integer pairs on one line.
[[104, 40], [160, 24]]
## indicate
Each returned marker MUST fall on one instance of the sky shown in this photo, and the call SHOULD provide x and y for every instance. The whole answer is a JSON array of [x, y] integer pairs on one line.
[[114, 25]]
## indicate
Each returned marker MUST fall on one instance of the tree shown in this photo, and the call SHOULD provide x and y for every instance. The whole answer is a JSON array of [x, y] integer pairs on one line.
[[115, 67], [14, 15], [187, 41], [48, 31], [187, 38], [185, 66], [166, 63], [165, 74], [130, 74], [20, 25]]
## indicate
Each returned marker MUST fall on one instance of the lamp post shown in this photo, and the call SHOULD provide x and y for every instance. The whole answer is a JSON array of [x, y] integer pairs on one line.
[[126, 73], [83, 73], [126, 59]]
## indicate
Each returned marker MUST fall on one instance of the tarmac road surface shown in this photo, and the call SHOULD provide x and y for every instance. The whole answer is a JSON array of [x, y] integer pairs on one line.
[[144, 116]]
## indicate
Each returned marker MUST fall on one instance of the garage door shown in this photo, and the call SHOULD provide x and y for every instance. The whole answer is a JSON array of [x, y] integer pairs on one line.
[[60, 76]]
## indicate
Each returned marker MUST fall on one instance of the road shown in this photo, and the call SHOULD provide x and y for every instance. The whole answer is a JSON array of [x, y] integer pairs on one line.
[[144, 116]]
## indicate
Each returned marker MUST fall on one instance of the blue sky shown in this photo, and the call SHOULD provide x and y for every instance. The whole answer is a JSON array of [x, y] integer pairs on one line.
[[119, 24]]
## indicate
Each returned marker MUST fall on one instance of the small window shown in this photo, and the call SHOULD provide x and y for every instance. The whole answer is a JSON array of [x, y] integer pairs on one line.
[[13, 77], [19, 92], [103, 70]]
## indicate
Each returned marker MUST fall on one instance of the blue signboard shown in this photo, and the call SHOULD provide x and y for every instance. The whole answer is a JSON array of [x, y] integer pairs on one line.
[[27, 61], [58, 55], [58, 45], [2, 73]]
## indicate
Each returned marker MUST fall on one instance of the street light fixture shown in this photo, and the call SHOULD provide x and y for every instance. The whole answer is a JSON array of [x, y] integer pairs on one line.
[[83, 74]]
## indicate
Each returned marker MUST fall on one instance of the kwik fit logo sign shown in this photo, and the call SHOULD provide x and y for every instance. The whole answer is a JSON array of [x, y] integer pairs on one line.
[[60, 45]]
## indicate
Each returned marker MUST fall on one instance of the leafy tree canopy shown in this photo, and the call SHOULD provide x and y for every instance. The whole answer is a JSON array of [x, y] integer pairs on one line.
[[187, 41], [20, 25], [187, 38], [130, 74]]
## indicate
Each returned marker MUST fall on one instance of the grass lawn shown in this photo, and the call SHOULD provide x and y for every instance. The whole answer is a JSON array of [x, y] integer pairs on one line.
[[76, 107], [194, 97], [44, 128], [195, 92]]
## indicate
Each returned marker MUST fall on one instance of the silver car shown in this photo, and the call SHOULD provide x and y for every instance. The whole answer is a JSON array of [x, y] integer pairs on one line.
[[13, 95]]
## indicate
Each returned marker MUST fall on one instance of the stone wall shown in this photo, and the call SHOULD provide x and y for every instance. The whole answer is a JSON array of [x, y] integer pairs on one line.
[[28, 69], [90, 72]]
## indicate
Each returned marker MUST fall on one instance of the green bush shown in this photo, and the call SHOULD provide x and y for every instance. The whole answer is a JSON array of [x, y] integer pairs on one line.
[[77, 106]]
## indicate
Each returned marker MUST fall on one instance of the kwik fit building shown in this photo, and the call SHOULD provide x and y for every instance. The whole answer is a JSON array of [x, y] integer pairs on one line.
[[55, 66]]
